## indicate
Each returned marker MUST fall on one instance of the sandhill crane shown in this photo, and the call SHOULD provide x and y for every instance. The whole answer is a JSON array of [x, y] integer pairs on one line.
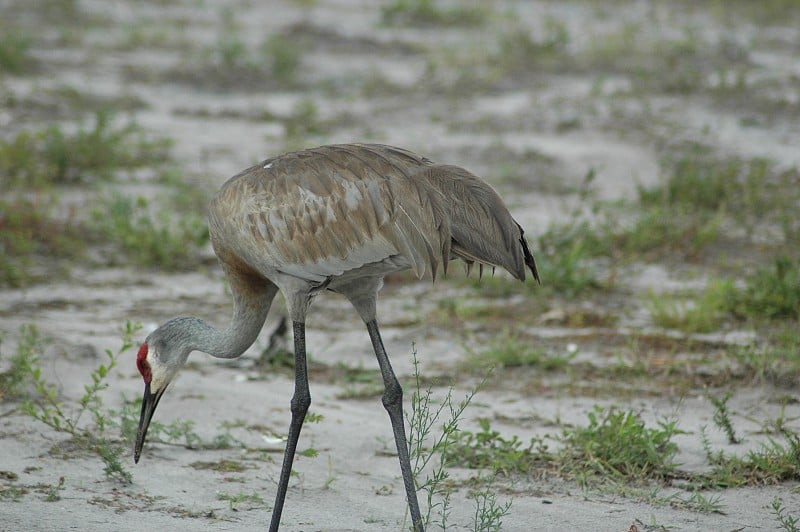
[[339, 218]]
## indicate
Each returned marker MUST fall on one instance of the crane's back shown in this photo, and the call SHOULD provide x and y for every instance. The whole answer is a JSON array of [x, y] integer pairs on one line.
[[336, 210]]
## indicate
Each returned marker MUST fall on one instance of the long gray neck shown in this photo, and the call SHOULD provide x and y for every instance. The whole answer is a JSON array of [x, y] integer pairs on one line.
[[249, 313]]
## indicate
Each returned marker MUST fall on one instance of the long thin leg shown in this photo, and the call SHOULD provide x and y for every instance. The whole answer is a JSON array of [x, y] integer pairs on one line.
[[393, 402], [300, 403]]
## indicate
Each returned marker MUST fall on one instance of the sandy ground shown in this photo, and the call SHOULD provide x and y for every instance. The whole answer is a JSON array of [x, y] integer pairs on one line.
[[354, 482]]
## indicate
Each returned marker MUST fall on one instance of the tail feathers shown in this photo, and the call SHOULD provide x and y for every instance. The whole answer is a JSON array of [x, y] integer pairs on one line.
[[530, 261], [480, 228]]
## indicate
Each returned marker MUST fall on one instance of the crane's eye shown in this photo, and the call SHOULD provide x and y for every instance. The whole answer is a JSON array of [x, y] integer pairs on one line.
[[143, 365]]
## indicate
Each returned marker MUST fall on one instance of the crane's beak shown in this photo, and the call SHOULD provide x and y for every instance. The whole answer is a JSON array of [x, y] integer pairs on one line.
[[149, 404]]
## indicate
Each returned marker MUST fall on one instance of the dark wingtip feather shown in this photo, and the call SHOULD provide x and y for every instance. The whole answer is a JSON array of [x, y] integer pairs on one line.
[[530, 262]]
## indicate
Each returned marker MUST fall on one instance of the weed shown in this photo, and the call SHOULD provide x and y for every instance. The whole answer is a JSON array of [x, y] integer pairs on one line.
[[786, 521], [48, 409], [30, 227], [12, 493], [177, 432], [722, 418], [161, 239], [772, 292], [222, 466], [429, 451], [234, 501], [566, 249], [488, 513], [331, 476], [617, 443], [54, 156], [426, 13], [232, 63], [518, 52], [705, 315], [52, 494], [698, 502], [510, 349], [15, 380], [302, 123], [487, 449], [774, 462], [283, 55], [14, 52]]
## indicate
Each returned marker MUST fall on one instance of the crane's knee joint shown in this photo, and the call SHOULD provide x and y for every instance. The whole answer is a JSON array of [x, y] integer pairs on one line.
[[300, 403], [393, 395]]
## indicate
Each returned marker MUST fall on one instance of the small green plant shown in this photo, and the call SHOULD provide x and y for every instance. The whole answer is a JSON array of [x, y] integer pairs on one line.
[[234, 501], [722, 418], [30, 228], [509, 350], [518, 52], [488, 450], [149, 238], [47, 408], [772, 292], [786, 521], [617, 443], [15, 380], [14, 51], [488, 513], [231, 61], [772, 463], [52, 494], [284, 57], [427, 13], [431, 452], [54, 156], [302, 123], [704, 315], [698, 502], [177, 432]]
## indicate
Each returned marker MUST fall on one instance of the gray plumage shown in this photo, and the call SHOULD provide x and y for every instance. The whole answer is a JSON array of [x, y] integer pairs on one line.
[[339, 218]]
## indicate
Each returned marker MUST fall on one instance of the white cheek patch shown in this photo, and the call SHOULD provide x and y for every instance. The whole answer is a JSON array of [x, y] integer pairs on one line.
[[161, 375]]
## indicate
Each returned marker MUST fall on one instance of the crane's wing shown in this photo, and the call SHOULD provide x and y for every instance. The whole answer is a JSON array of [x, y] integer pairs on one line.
[[321, 212], [482, 229]]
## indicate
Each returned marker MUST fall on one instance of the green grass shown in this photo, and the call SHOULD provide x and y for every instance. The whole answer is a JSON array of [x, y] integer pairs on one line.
[[40, 237], [250, 501], [771, 293], [427, 13], [148, 235], [618, 444], [773, 462], [722, 417], [615, 445], [703, 206], [512, 350], [99, 151], [703, 313], [518, 52], [431, 452], [786, 521], [564, 257], [44, 405], [231, 63], [488, 450], [15, 379], [284, 57], [15, 48]]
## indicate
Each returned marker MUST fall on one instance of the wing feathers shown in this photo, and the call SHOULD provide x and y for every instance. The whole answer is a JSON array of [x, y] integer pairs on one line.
[[321, 212]]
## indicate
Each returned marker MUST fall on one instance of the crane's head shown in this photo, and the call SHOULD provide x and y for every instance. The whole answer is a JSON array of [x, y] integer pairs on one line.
[[159, 358]]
